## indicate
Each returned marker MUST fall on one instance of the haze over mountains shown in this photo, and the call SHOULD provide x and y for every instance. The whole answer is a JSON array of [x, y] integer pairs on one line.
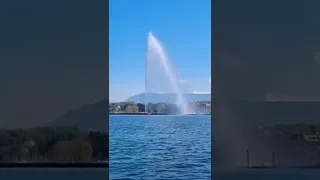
[[168, 97], [88, 117], [95, 116], [171, 97]]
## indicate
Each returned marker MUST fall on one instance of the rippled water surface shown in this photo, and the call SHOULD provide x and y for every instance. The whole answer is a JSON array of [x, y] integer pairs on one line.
[[160, 147], [267, 174], [54, 174]]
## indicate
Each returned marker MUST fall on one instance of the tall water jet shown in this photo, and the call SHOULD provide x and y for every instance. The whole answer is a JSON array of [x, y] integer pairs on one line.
[[156, 54]]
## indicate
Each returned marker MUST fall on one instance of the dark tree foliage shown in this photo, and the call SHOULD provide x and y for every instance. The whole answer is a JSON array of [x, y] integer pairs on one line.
[[39, 141], [100, 145], [158, 108]]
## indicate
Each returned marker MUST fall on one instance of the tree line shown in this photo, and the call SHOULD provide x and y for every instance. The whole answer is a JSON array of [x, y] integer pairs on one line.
[[53, 143], [287, 140], [156, 108]]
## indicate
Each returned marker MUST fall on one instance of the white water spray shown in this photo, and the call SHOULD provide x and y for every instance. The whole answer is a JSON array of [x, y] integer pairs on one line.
[[155, 49]]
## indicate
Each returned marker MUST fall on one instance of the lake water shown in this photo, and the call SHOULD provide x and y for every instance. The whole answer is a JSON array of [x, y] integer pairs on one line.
[[267, 174], [54, 174], [160, 147], [101, 174]]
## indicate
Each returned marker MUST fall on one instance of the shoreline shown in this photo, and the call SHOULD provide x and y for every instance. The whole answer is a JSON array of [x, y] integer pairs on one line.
[[155, 114], [316, 166]]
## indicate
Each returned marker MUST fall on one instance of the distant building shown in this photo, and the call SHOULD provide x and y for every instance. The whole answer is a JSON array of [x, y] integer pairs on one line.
[[30, 143], [312, 138], [306, 137], [297, 137], [22, 151]]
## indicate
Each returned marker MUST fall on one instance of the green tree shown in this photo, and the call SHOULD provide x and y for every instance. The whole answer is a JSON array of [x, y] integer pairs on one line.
[[132, 109], [160, 107], [141, 107], [99, 142]]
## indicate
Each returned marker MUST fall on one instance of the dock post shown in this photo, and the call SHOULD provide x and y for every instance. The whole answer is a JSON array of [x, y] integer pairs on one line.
[[248, 159], [273, 158]]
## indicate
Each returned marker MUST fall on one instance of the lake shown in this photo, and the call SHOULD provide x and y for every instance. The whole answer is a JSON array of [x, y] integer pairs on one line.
[[160, 147], [54, 174], [267, 174]]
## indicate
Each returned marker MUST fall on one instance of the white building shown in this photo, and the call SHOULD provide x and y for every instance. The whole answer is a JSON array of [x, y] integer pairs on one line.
[[312, 138]]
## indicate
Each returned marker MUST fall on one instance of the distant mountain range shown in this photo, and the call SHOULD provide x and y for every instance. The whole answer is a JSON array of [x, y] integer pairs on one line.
[[95, 116], [89, 117], [168, 97]]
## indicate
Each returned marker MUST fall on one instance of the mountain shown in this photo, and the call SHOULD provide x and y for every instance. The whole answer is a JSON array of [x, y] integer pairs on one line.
[[89, 117], [95, 116], [168, 97], [271, 113]]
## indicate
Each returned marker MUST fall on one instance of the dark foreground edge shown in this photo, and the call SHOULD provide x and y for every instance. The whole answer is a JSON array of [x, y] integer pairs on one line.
[[54, 165], [289, 166]]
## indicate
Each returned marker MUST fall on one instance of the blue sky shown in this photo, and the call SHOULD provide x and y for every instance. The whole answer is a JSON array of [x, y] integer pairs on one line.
[[183, 27]]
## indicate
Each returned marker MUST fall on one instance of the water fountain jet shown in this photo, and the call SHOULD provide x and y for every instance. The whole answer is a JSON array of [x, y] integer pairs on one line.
[[156, 49]]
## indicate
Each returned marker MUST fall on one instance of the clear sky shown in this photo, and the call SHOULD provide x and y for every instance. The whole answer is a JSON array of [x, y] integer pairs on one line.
[[183, 27]]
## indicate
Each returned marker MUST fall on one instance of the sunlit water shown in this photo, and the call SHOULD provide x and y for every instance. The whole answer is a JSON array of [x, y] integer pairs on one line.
[[160, 147]]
